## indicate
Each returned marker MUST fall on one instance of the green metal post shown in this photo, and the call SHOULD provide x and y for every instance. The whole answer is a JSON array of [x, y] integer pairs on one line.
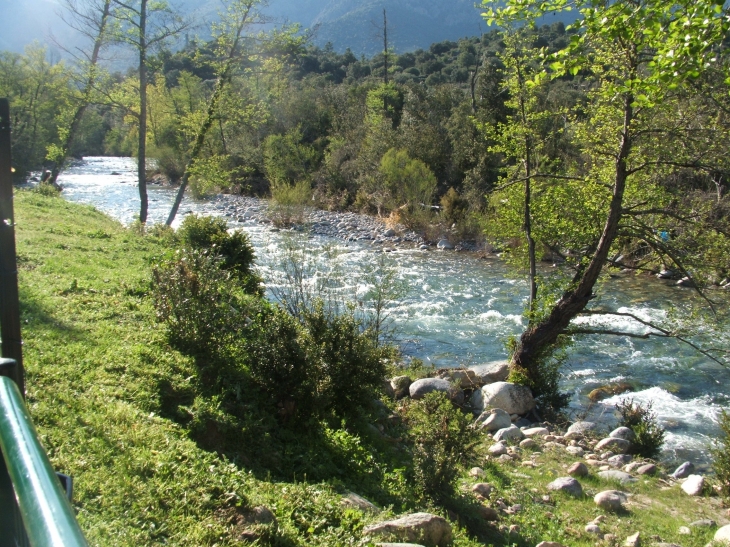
[[47, 515], [12, 345]]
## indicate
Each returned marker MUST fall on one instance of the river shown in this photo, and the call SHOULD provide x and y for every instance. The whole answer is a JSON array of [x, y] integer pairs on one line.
[[460, 309]]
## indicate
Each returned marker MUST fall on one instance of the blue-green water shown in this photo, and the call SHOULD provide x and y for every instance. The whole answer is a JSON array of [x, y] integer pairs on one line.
[[460, 309]]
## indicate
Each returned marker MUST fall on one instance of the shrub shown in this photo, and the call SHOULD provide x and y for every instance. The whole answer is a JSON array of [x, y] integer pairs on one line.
[[234, 249], [453, 207], [196, 300], [721, 456], [47, 189], [441, 441], [643, 422]]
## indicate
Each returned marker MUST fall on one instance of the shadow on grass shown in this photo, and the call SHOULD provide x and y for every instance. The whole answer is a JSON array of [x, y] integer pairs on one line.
[[34, 313]]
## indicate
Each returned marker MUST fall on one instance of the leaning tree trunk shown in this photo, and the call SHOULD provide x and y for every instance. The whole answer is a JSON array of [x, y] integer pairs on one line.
[[539, 338], [79, 114]]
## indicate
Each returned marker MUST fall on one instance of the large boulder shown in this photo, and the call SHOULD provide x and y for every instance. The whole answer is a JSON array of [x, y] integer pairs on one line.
[[511, 398], [494, 420], [625, 433], [463, 378], [420, 388], [426, 529], [495, 371], [684, 470]]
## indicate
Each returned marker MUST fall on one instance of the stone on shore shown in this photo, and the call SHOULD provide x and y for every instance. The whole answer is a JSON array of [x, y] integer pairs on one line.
[[568, 485], [684, 470], [723, 535], [420, 388], [511, 398], [633, 540], [616, 475], [614, 444], [693, 485], [511, 433], [427, 529], [610, 500], [494, 420], [578, 469], [488, 373], [482, 489], [625, 433], [536, 432], [582, 427]]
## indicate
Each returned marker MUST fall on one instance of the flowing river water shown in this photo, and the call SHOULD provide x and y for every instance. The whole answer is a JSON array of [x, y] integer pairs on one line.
[[460, 309]]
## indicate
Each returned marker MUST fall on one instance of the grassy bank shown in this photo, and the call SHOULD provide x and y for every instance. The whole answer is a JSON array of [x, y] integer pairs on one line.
[[107, 393]]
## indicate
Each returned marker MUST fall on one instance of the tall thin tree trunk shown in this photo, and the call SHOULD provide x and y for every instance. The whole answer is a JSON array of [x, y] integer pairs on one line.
[[142, 147], [79, 114]]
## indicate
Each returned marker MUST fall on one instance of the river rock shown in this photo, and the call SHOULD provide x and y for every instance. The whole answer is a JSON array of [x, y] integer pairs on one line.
[[633, 540], [582, 428], [482, 488], [625, 433], [723, 535], [401, 385], [498, 449], [614, 444], [604, 392], [425, 528], [511, 433], [444, 244], [693, 485], [619, 460], [463, 378], [511, 398], [420, 388], [568, 485], [610, 500], [647, 469], [593, 529], [495, 420], [576, 451], [495, 371], [358, 502], [528, 444], [536, 432], [684, 470], [615, 475], [578, 469], [488, 513]]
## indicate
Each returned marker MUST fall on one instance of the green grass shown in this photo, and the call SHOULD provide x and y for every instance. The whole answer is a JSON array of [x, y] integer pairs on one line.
[[102, 380]]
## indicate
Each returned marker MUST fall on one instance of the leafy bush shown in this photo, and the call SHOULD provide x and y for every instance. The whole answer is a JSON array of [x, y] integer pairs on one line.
[[234, 248], [196, 300], [643, 422], [47, 189], [441, 440], [721, 456]]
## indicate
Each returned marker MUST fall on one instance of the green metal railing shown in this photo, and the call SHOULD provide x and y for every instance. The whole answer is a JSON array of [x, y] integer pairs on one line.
[[46, 513]]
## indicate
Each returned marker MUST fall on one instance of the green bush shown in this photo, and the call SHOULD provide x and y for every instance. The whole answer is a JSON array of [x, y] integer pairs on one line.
[[442, 440], [234, 248], [721, 456], [643, 422], [196, 300], [47, 189]]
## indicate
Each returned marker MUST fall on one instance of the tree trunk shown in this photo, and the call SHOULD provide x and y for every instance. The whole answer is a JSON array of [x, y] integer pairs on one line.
[[142, 147], [79, 114], [539, 338]]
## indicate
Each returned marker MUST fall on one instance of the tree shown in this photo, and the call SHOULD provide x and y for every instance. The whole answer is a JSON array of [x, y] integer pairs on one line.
[[92, 20], [229, 52], [146, 25], [637, 56]]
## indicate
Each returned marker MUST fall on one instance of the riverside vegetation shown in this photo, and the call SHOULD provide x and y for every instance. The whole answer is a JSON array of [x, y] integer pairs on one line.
[[170, 444]]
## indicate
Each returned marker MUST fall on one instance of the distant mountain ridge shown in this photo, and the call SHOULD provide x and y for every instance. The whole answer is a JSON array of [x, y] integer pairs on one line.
[[354, 24]]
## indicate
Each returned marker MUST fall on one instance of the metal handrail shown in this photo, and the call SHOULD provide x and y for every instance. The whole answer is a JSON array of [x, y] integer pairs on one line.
[[47, 516]]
